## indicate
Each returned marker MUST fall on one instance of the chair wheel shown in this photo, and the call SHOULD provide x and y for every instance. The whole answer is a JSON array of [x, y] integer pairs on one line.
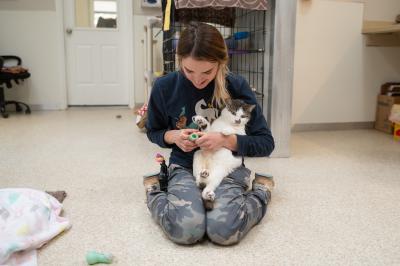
[[18, 108], [3, 112], [4, 115], [27, 111]]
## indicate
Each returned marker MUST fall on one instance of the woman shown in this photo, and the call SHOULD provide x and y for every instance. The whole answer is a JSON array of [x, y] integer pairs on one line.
[[201, 87]]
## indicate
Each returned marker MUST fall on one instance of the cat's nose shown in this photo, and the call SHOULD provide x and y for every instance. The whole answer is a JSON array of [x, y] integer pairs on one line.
[[237, 121]]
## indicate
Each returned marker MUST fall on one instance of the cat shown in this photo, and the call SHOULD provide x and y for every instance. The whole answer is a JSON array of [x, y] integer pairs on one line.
[[106, 23], [210, 167]]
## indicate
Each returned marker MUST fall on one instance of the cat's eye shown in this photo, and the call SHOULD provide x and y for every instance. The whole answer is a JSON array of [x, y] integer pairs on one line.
[[243, 116], [234, 113]]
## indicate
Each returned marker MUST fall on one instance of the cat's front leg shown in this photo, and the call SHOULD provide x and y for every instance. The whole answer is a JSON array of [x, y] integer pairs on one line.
[[203, 124]]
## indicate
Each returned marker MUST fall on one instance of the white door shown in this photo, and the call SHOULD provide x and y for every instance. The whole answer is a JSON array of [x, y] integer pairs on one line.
[[97, 52]]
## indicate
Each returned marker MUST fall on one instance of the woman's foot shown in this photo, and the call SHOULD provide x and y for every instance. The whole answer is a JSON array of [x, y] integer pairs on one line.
[[151, 182], [265, 181]]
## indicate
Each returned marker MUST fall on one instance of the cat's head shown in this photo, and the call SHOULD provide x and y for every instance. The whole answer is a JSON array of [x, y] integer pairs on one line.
[[237, 111]]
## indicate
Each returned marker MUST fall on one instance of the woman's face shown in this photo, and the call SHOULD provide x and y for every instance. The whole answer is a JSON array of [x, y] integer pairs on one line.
[[199, 72]]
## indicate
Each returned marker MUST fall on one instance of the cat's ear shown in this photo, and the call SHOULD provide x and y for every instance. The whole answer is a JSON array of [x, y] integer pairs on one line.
[[250, 107]]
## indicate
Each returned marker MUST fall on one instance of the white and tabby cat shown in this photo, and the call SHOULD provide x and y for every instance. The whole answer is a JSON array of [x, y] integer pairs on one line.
[[210, 167]]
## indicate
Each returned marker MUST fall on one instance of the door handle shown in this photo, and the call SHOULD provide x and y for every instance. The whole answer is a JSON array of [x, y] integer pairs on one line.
[[68, 31]]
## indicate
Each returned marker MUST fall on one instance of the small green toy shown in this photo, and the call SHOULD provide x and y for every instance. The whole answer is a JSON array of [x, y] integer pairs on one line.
[[193, 137], [93, 257]]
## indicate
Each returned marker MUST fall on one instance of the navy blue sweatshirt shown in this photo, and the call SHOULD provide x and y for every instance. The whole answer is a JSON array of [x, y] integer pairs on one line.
[[175, 100]]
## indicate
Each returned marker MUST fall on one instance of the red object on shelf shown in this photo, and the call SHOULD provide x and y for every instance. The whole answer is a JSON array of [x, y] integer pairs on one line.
[[396, 134]]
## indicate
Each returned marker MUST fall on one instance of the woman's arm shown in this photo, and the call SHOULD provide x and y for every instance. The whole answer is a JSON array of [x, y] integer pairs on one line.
[[157, 125], [216, 140], [259, 141], [157, 118]]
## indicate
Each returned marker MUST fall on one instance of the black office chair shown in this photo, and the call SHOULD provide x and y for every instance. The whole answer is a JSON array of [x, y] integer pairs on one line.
[[8, 74]]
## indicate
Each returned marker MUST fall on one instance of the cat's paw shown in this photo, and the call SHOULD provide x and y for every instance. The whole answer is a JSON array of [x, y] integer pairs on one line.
[[204, 173], [208, 195], [200, 121]]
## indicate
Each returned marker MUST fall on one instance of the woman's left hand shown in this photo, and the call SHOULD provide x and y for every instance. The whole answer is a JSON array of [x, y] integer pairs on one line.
[[211, 141]]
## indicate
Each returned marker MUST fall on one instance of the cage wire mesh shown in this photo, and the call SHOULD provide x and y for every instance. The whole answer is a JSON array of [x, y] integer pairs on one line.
[[246, 43]]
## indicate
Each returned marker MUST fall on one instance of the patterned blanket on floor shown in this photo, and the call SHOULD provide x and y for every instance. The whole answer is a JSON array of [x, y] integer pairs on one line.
[[28, 219]]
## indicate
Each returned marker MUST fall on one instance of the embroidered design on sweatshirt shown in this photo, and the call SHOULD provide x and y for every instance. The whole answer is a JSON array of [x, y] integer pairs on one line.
[[181, 123], [201, 108], [206, 110]]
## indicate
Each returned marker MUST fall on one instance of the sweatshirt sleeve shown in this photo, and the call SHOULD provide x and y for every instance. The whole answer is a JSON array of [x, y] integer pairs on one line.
[[157, 118], [258, 141]]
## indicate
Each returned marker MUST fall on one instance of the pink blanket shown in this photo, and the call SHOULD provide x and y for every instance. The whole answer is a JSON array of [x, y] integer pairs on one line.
[[28, 219]]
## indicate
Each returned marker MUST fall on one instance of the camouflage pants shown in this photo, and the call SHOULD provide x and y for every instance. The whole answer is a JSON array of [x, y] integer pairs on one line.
[[181, 214]]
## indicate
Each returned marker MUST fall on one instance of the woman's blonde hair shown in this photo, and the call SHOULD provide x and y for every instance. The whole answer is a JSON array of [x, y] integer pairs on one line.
[[204, 42]]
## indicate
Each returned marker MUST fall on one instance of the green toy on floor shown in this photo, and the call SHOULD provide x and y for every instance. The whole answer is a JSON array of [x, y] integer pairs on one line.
[[93, 257]]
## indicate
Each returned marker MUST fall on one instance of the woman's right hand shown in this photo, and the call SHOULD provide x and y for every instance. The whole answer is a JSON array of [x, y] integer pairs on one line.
[[181, 139]]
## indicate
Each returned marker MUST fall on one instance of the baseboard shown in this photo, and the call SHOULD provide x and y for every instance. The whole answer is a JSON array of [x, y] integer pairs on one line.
[[332, 126], [38, 107], [46, 107]]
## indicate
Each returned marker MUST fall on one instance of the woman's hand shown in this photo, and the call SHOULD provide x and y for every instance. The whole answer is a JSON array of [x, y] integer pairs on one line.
[[213, 141], [181, 139]]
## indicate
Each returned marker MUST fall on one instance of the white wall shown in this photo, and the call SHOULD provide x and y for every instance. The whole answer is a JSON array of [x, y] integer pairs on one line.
[[27, 5], [336, 77], [34, 36], [386, 10], [139, 21]]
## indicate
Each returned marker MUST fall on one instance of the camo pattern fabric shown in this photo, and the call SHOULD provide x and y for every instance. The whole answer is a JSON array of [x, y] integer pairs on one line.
[[180, 211]]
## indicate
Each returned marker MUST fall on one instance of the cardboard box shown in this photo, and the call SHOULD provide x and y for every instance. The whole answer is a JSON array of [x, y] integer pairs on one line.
[[383, 108], [390, 88]]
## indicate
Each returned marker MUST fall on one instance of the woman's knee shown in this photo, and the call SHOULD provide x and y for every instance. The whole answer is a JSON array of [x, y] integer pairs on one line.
[[224, 230], [187, 231]]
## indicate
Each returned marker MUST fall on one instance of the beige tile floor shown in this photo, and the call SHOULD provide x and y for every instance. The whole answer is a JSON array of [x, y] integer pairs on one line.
[[337, 200]]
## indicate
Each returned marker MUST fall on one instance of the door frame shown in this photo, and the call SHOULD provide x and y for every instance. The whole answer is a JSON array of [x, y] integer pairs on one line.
[[127, 48], [281, 82]]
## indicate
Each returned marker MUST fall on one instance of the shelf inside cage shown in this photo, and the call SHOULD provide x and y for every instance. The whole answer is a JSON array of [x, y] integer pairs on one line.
[[244, 51]]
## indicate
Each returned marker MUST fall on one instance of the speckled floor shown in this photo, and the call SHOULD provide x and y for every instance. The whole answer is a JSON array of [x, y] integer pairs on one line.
[[336, 201]]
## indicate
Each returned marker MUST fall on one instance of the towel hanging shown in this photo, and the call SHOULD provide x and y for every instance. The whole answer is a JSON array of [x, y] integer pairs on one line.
[[246, 4]]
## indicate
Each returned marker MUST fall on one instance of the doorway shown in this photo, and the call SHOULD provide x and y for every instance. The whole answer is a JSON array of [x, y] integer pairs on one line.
[[98, 52]]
